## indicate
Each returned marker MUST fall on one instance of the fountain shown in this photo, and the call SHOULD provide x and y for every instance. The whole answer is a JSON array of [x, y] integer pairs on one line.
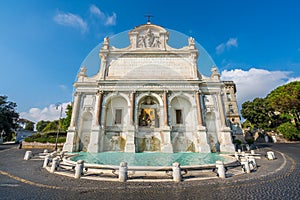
[[116, 143]]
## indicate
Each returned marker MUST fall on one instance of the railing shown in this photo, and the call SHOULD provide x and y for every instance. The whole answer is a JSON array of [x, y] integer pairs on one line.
[[59, 162]]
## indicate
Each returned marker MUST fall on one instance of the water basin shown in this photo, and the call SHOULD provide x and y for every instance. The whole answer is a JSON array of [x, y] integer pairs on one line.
[[150, 158]]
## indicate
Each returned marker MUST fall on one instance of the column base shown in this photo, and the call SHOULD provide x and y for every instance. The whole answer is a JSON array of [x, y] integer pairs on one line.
[[69, 145], [94, 145], [130, 148], [167, 148], [203, 146], [226, 144]]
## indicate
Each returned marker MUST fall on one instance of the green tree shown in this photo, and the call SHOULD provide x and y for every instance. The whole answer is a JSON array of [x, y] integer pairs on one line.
[[41, 125], [8, 116], [286, 100], [65, 123], [51, 127], [258, 113], [29, 126], [289, 131]]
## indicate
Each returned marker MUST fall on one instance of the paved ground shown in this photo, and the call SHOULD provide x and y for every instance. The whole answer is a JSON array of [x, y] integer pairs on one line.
[[278, 179]]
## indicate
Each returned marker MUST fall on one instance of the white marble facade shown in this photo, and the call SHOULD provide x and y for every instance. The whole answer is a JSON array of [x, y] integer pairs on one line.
[[149, 97]]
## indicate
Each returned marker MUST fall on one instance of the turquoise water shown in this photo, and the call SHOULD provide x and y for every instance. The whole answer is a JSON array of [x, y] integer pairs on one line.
[[149, 159]]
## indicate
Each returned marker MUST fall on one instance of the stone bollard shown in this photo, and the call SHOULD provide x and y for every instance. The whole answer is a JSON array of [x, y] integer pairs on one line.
[[123, 172], [28, 155], [220, 169], [239, 150], [45, 150], [270, 155], [243, 153], [236, 155], [176, 172], [245, 164], [79, 169], [46, 161], [54, 164], [252, 162], [252, 152]]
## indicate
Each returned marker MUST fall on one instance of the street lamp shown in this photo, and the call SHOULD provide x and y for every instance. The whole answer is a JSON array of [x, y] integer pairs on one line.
[[61, 109]]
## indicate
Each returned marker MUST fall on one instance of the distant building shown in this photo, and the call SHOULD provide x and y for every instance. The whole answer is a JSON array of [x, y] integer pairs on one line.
[[231, 107]]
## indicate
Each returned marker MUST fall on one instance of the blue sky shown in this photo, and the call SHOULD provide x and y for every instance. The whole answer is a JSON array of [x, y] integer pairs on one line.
[[43, 43]]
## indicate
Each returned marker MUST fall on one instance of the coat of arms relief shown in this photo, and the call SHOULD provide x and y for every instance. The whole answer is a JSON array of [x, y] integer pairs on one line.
[[148, 40]]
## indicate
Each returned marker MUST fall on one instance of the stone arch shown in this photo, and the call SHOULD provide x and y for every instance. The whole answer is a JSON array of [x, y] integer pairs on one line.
[[188, 97], [114, 94], [148, 110], [182, 104], [141, 96], [117, 107], [84, 131]]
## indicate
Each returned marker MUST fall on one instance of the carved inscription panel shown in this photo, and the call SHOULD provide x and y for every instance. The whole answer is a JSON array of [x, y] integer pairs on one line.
[[149, 68]]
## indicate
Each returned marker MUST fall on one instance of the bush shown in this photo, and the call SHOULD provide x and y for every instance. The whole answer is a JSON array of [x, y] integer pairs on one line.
[[289, 131]]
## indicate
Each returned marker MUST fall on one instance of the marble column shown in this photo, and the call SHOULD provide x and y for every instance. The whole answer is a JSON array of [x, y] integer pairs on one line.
[[94, 145], [199, 112], [70, 143], [202, 146], [166, 132], [132, 106], [77, 99], [99, 107], [130, 134], [165, 108], [221, 110]]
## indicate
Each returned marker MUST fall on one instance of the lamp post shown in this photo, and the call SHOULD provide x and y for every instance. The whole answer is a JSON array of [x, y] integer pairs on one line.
[[60, 113]]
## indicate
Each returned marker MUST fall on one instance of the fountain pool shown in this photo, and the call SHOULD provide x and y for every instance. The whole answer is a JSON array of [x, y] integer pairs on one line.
[[150, 158]]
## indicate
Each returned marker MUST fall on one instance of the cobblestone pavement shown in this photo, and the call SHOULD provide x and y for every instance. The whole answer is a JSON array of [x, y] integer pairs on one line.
[[277, 179]]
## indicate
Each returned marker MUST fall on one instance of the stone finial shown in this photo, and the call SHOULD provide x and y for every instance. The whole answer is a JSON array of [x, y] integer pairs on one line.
[[215, 73], [191, 43], [105, 45], [82, 71], [81, 74]]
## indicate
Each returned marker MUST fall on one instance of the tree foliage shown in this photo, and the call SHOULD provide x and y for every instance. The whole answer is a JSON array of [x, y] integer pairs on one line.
[[286, 100], [29, 126], [52, 126], [257, 112], [65, 123], [279, 111], [41, 125], [289, 131], [8, 116]]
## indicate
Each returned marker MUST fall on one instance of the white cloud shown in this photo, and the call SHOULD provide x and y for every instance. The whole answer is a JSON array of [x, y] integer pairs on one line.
[[72, 20], [111, 20], [255, 82], [220, 48], [232, 42], [63, 87], [48, 113], [106, 19], [96, 11]]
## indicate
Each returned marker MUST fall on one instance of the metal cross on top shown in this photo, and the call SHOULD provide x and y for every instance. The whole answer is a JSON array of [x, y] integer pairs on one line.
[[149, 18]]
